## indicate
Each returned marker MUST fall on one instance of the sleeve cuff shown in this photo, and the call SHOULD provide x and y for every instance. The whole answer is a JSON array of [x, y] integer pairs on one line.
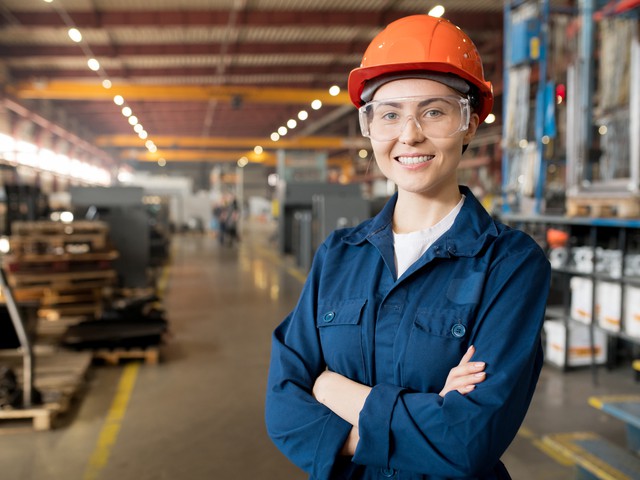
[[374, 426], [332, 438]]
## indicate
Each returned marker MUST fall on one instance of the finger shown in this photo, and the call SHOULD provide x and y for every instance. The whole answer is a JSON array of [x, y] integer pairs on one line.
[[470, 382], [466, 389], [467, 369], [474, 367], [472, 379], [466, 358]]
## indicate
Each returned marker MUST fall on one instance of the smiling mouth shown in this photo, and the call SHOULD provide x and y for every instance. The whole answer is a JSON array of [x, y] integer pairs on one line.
[[415, 160]]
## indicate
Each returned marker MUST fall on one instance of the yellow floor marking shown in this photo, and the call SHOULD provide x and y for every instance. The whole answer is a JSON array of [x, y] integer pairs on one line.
[[297, 274], [555, 455], [598, 402], [273, 257], [529, 435], [111, 427]]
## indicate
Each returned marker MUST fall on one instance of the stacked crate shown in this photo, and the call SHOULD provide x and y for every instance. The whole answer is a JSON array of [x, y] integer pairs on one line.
[[66, 267]]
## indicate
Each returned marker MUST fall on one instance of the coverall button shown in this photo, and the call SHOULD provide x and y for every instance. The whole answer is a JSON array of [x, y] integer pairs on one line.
[[329, 316], [458, 330], [388, 472]]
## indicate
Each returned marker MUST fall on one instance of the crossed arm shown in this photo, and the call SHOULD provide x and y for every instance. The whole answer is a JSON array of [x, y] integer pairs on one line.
[[346, 398]]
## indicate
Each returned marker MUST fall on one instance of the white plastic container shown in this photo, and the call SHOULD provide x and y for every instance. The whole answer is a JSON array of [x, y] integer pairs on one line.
[[579, 344], [632, 310], [608, 305], [581, 299]]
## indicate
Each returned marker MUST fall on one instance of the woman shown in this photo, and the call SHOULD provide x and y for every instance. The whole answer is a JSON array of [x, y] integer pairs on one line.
[[370, 374]]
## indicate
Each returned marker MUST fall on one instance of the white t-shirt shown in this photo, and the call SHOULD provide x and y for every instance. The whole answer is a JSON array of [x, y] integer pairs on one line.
[[409, 247]]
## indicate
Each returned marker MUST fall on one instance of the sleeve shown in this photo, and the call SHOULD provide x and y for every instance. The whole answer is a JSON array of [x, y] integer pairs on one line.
[[458, 435], [306, 431]]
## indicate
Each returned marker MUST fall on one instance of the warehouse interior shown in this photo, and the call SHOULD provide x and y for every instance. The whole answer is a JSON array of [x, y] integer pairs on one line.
[[169, 168]]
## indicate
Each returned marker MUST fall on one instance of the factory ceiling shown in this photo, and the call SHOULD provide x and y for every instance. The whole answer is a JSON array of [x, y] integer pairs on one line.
[[208, 80]]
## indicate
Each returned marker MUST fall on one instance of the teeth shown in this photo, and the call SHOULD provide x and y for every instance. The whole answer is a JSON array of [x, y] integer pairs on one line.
[[414, 160]]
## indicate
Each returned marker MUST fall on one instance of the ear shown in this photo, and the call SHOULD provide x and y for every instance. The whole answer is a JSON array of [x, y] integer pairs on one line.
[[474, 122]]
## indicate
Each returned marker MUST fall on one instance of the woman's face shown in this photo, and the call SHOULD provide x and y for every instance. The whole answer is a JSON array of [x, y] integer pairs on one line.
[[415, 161]]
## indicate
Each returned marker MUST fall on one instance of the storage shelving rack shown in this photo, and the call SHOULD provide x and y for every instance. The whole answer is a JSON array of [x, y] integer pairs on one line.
[[622, 234]]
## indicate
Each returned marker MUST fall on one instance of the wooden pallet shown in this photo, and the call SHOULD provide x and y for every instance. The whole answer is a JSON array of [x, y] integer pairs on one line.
[[55, 305], [59, 376], [63, 262], [149, 355], [47, 238], [601, 206], [59, 280], [51, 332], [44, 227]]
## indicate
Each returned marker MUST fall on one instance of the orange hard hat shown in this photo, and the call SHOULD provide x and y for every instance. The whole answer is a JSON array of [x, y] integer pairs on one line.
[[422, 43]]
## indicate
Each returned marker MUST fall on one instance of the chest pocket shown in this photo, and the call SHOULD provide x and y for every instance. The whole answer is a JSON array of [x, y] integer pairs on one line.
[[340, 328], [437, 342]]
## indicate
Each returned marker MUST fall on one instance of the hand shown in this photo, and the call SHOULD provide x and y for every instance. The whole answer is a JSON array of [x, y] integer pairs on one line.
[[465, 376], [342, 396], [351, 443]]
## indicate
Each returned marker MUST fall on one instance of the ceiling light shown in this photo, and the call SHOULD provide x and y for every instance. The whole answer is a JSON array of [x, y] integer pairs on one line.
[[75, 35], [126, 111], [243, 161], [490, 118], [436, 11], [133, 120], [335, 90], [292, 123], [258, 150], [138, 128], [316, 104], [303, 115], [48, 1], [602, 129], [93, 64], [143, 134], [106, 83], [282, 131], [272, 179], [275, 137], [148, 143], [162, 162], [363, 153], [118, 100]]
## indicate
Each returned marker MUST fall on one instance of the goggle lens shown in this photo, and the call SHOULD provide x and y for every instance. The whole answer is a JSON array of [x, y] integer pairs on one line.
[[435, 116]]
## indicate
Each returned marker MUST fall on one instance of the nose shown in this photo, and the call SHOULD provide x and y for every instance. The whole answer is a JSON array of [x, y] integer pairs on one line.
[[411, 132]]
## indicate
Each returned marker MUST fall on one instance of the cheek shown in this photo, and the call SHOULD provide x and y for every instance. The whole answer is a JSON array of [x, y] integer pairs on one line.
[[381, 151], [451, 147]]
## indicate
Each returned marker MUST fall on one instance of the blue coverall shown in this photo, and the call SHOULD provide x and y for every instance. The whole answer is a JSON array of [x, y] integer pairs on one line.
[[481, 283]]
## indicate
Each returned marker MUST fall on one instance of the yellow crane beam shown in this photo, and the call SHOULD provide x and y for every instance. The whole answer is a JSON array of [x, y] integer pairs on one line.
[[217, 156], [196, 155], [302, 143], [67, 90]]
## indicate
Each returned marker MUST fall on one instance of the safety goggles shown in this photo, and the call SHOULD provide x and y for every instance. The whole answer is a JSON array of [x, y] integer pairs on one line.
[[435, 116]]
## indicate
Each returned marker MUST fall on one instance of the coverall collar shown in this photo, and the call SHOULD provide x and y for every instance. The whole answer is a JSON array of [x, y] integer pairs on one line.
[[470, 232]]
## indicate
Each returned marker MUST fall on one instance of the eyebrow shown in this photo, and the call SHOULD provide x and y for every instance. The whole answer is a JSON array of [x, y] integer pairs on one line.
[[392, 103]]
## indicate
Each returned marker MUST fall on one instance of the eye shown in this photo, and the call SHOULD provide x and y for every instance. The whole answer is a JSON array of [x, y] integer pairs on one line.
[[432, 113], [390, 116]]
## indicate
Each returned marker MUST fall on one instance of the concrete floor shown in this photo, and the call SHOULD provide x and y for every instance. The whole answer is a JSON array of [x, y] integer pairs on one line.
[[199, 413]]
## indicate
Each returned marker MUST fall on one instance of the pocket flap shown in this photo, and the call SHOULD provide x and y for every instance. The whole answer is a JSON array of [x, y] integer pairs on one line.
[[442, 323], [344, 312]]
